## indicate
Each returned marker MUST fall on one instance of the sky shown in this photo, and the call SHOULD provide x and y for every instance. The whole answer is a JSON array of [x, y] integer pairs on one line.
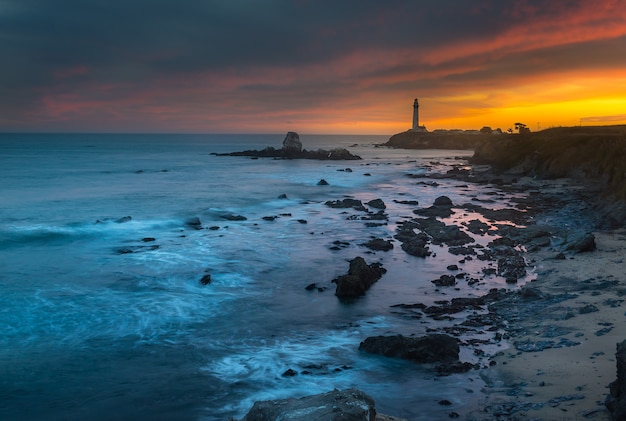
[[310, 66]]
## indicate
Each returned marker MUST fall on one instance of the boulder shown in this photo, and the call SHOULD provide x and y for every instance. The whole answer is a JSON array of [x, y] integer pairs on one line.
[[616, 400], [379, 244], [582, 243], [377, 203], [292, 144], [194, 223], [359, 279], [339, 405], [433, 348]]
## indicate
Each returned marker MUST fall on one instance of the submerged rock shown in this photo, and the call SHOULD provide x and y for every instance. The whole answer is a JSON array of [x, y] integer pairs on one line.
[[359, 279]]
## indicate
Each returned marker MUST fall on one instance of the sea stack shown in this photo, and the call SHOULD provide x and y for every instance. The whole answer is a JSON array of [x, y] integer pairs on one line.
[[292, 144]]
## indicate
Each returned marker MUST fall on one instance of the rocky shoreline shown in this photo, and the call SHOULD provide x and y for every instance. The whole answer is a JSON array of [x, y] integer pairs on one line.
[[567, 321]]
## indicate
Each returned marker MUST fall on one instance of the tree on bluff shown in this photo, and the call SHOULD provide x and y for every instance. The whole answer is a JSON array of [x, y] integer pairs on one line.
[[522, 128]]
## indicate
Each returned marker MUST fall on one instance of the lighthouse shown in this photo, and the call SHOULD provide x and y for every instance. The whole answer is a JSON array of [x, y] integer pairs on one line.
[[416, 118], [416, 115]]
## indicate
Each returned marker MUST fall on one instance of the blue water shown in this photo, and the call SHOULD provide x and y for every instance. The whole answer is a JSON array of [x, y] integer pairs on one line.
[[98, 323]]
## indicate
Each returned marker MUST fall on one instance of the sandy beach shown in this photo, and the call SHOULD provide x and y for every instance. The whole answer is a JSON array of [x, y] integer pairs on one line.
[[568, 382]]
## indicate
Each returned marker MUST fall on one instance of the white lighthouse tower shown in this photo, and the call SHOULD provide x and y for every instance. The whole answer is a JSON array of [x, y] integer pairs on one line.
[[416, 118]]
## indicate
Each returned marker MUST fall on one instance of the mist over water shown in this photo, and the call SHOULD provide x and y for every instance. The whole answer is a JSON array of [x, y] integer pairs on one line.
[[104, 316]]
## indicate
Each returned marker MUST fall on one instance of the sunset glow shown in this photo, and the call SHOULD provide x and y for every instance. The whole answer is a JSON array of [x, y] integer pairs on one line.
[[311, 67]]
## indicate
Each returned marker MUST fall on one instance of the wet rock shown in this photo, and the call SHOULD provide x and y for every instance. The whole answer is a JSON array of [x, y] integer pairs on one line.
[[359, 279], [377, 203], [582, 243], [194, 223], [148, 239], [616, 400], [441, 233], [344, 405], [322, 182], [407, 202], [413, 243], [588, 308], [433, 348], [512, 267], [445, 281], [233, 217], [346, 204], [206, 279], [379, 244], [123, 220], [443, 201], [282, 196], [290, 373]]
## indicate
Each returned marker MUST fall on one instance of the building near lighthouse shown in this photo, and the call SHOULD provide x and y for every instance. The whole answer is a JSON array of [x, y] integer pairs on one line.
[[416, 118]]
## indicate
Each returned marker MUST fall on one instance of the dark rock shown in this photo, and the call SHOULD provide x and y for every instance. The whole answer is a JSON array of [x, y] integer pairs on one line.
[[232, 217], [303, 221], [292, 144], [452, 267], [433, 348], [378, 244], [148, 239], [214, 228], [589, 308], [512, 267], [290, 373], [194, 223], [270, 218], [123, 219], [377, 203], [583, 243], [359, 279], [445, 281], [322, 182], [282, 196], [206, 279], [616, 400], [441, 233], [346, 204], [443, 201], [407, 202], [344, 405]]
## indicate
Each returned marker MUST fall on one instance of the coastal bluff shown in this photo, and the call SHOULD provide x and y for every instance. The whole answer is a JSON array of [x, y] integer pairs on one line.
[[436, 140], [292, 149]]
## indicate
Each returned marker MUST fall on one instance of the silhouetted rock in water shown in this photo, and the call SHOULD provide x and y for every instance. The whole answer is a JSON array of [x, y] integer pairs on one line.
[[377, 204], [359, 279], [338, 405], [582, 243], [206, 279], [433, 140], [123, 219], [232, 217], [616, 400], [445, 281], [292, 149], [194, 223], [433, 348], [322, 182], [442, 208], [292, 144], [413, 243], [379, 244], [345, 204]]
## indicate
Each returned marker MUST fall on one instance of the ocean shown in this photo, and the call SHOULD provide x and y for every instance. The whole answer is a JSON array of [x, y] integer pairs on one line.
[[102, 312]]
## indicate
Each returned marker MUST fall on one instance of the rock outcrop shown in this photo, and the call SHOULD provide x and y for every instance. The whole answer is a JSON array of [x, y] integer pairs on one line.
[[292, 149], [433, 348], [359, 279], [616, 401], [292, 144], [338, 405]]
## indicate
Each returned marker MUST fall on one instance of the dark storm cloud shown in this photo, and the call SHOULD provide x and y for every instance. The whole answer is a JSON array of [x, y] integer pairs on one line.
[[63, 53]]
